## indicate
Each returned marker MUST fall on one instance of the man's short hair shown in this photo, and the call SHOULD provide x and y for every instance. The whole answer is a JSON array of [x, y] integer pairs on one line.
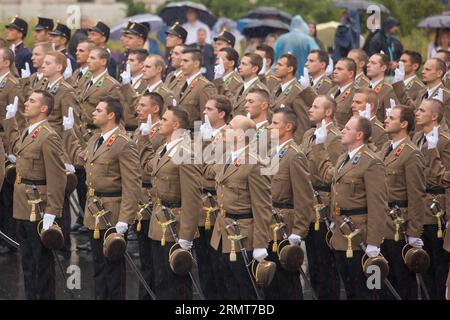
[[196, 54], [113, 105], [291, 61], [103, 53], [265, 96], [289, 116], [436, 107], [140, 54], [268, 51], [223, 104], [255, 60], [329, 103], [350, 64], [46, 100], [364, 126], [440, 65], [322, 56], [371, 96], [181, 116], [407, 114], [416, 58], [156, 99], [8, 55], [384, 59], [361, 55], [232, 55], [446, 54], [91, 44], [60, 59], [159, 62]]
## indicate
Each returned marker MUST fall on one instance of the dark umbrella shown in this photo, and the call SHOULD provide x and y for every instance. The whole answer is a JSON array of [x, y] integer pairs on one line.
[[176, 11], [438, 21], [359, 5], [261, 28], [155, 23], [268, 13]]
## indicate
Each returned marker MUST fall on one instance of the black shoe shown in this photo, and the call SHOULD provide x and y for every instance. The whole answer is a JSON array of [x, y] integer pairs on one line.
[[132, 235], [75, 228], [7, 249], [85, 246], [83, 229]]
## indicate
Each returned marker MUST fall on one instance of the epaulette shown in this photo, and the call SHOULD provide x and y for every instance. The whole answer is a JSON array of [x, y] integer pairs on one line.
[[420, 83], [163, 88], [298, 86], [108, 77], [202, 78], [379, 124], [370, 153], [48, 128], [235, 77], [335, 131], [411, 145], [327, 80], [387, 84], [446, 90], [66, 84], [445, 134], [13, 80], [123, 136], [296, 149]]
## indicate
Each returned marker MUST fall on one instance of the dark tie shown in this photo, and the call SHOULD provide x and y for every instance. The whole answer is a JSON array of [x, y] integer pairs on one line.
[[312, 139], [311, 82], [421, 141], [337, 93], [90, 83], [389, 150], [162, 153], [277, 94], [183, 88], [425, 96], [25, 135], [241, 92], [80, 74], [344, 162], [99, 143]]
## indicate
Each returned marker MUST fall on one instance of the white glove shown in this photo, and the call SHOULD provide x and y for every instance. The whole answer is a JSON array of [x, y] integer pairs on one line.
[[11, 109], [126, 75], [399, 73], [366, 113], [294, 239], [259, 254], [121, 227], [415, 242], [282, 106], [206, 129], [392, 106], [174, 102], [433, 138], [68, 72], [372, 251], [69, 167], [25, 73], [304, 79], [249, 116], [12, 158], [48, 220], [68, 121], [264, 67], [330, 67], [186, 245], [219, 69], [146, 127], [439, 95], [321, 133]]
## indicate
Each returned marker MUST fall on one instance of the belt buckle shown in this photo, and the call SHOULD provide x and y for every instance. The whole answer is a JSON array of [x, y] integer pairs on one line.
[[18, 178], [337, 210], [91, 192]]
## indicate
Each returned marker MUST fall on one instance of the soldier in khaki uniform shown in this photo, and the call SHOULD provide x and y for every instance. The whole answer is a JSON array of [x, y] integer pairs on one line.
[[229, 83], [175, 36], [317, 63], [218, 111], [432, 72], [444, 55], [429, 115], [37, 80], [175, 79], [361, 59], [267, 53], [154, 68], [292, 197], [39, 154], [405, 168], [111, 161], [344, 76], [361, 98], [359, 192], [376, 70], [82, 74], [175, 186], [196, 90], [289, 93], [133, 85], [243, 196], [100, 84], [412, 62], [148, 140], [249, 68], [321, 262]]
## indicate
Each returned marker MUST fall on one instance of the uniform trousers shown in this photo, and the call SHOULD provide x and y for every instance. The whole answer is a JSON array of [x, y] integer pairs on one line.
[[205, 256], [145, 256]]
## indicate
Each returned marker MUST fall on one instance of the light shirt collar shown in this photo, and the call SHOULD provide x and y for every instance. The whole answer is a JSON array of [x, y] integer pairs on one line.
[[84, 70], [94, 80], [260, 124], [355, 151], [191, 78], [286, 85], [316, 80], [282, 145], [327, 125], [136, 79], [248, 83], [153, 125], [171, 144], [236, 154], [216, 131], [13, 46], [152, 87], [397, 143], [429, 133], [108, 134], [39, 75], [34, 126], [3, 76], [225, 77], [54, 82], [409, 80], [177, 73], [345, 87], [374, 84], [432, 90]]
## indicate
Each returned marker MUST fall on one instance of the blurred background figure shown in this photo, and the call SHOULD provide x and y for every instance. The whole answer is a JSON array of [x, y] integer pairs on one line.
[[313, 33], [193, 25], [271, 38], [207, 53], [441, 42], [347, 35]]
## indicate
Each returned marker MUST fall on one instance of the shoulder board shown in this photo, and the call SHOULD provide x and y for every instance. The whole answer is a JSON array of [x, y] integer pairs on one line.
[[236, 77], [298, 86], [444, 134], [163, 88], [387, 84], [108, 77], [13, 79], [419, 83], [335, 131], [379, 124], [66, 84], [410, 145], [327, 80], [260, 85], [446, 90], [296, 149], [369, 153], [123, 136]]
